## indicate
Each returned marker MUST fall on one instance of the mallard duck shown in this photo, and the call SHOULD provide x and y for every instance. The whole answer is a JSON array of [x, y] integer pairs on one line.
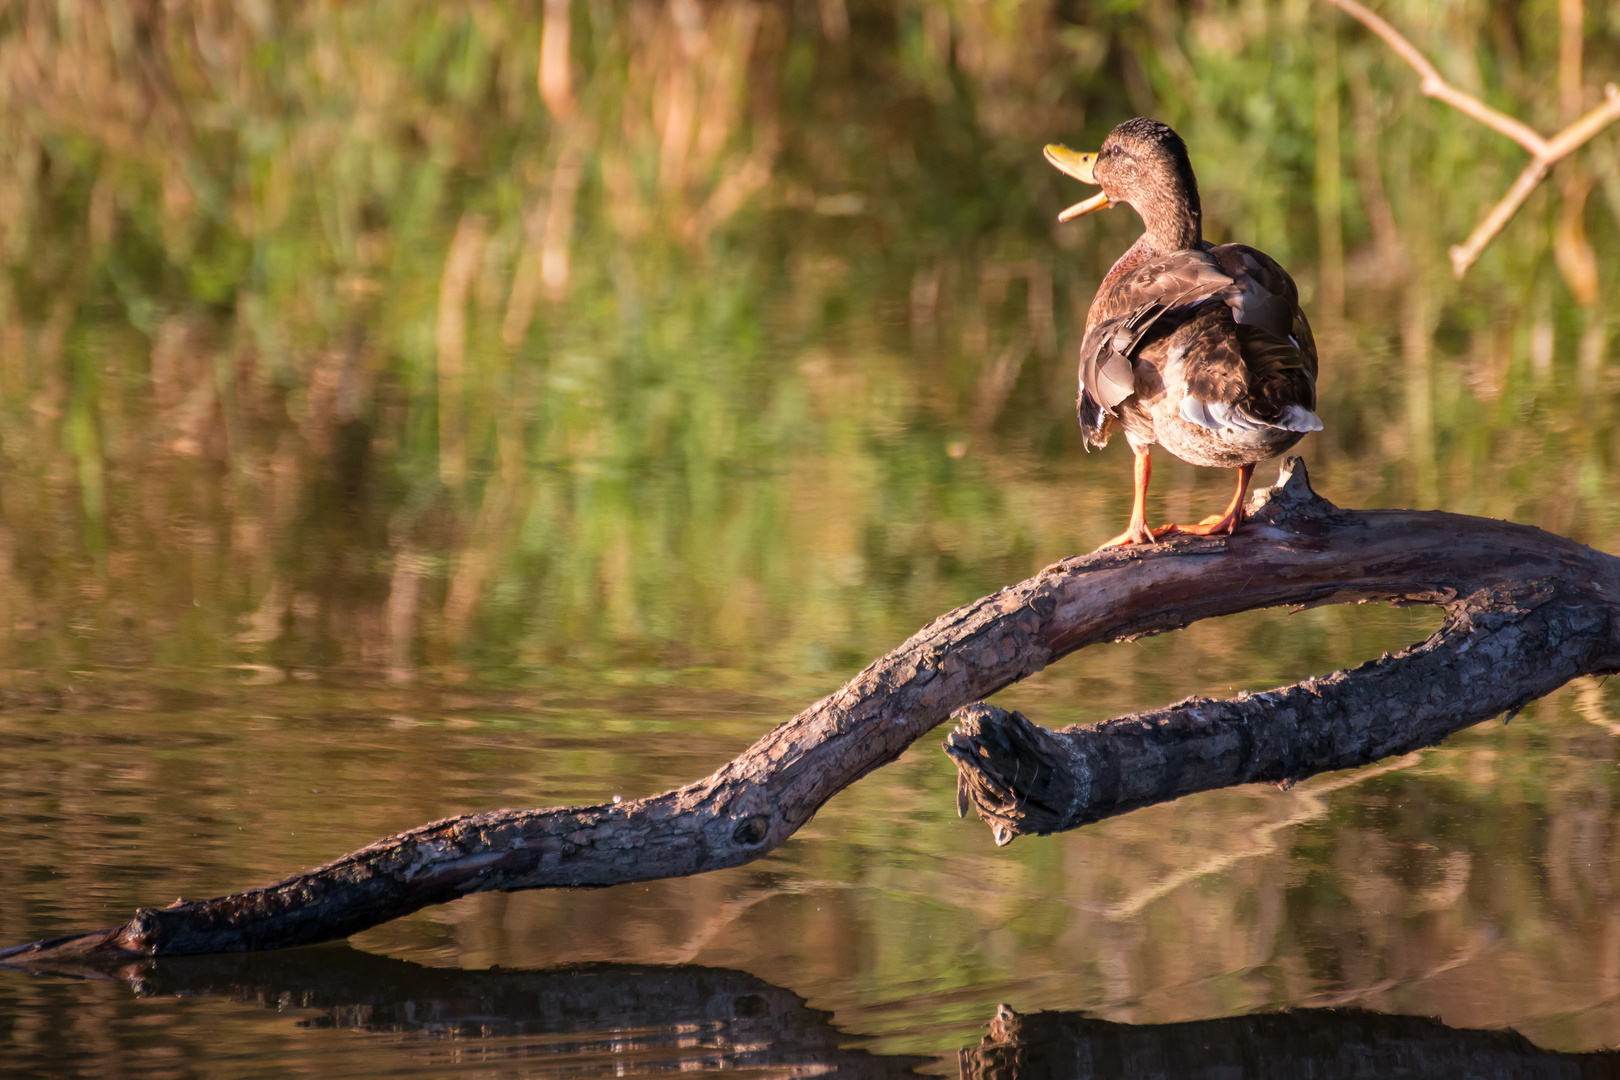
[[1198, 347]]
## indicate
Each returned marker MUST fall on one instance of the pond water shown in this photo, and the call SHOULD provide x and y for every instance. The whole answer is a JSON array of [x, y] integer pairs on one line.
[[397, 423]]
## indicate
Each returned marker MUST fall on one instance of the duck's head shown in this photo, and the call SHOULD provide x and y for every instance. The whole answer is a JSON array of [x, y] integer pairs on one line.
[[1144, 163]]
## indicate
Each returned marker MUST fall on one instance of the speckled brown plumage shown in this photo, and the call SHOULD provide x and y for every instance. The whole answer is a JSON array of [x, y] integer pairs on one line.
[[1202, 349]]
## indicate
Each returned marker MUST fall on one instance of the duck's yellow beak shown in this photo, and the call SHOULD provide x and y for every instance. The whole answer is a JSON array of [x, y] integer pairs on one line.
[[1080, 167]]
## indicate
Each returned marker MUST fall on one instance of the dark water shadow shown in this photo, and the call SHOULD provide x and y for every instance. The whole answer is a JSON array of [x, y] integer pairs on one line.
[[596, 1018], [1316, 1043], [635, 1019]]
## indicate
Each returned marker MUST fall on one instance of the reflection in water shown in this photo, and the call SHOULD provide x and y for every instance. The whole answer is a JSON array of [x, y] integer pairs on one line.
[[591, 1020], [1326, 1044], [1472, 882], [635, 1019], [626, 1018]]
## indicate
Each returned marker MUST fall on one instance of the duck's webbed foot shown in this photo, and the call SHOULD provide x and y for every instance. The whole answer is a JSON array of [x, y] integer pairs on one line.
[[1221, 524], [1215, 525], [1138, 533]]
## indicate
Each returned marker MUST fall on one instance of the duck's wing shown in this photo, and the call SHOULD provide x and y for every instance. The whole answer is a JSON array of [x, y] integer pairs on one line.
[[1145, 304], [1248, 357], [1275, 339]]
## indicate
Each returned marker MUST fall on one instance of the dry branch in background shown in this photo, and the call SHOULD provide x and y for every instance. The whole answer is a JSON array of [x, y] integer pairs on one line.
[[1506, 579], [1544, 152]]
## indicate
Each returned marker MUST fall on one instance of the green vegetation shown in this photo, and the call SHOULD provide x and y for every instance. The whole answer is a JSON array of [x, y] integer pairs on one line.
[[329, 344], [332, 352]]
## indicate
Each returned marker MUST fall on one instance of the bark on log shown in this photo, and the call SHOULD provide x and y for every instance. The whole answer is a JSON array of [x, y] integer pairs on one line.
[[1499, 648], [1298, 549], [1520, 622]]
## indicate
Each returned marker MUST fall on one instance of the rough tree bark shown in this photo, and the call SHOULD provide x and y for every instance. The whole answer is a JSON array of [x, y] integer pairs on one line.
[[1298, 550], [1517, 627], [1499, 648]]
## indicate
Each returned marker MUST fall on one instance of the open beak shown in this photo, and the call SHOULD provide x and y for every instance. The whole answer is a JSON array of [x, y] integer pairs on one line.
[[1080, 167]]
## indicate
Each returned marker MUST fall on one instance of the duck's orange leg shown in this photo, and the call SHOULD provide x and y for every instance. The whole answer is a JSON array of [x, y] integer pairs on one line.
[[1138, 532], [1229, 521]]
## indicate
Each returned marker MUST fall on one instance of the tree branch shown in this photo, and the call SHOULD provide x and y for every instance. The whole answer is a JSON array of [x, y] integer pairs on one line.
[[1499, 648], [1435, 86], [1544, 152], [1562, 145], [1298, 549]]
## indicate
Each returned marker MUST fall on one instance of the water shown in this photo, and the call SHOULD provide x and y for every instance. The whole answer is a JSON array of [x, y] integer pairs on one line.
[[381, 444], [1470, 884]]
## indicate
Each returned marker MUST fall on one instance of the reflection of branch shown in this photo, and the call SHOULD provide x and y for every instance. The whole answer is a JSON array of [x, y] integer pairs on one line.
[[1263, 841], [1340, 999], [1292, 1042], [1544, 151]]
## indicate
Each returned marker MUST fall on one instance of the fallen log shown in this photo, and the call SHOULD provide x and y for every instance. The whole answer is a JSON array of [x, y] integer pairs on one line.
[[1298, 549]]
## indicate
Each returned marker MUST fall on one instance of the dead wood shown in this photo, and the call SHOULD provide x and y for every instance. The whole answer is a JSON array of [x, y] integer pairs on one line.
[[1517, 627], [1299, 549], [1498, 649]]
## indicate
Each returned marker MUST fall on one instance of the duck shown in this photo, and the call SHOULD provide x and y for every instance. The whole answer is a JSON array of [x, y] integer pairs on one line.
[[1202, 349]]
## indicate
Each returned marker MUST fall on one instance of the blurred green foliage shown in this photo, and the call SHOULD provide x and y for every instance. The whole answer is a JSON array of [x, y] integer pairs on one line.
[[364, 337], [352, 342]]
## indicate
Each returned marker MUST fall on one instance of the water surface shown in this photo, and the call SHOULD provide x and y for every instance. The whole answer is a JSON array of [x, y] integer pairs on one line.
[[383, 440]]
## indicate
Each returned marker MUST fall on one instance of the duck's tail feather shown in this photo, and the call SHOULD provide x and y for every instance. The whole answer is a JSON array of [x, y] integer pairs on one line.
[[1298, 418], [1093, 420], [1219, 416]]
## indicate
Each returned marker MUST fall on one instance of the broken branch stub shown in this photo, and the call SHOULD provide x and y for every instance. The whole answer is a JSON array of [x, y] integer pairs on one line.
[[1298, 549]]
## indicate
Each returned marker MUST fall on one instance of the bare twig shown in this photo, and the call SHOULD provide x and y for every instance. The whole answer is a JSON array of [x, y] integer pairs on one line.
[[1544, 151], [1436, 87]]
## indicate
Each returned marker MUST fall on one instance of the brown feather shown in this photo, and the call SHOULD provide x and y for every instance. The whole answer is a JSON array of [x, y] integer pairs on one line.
[[1229, 313]]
